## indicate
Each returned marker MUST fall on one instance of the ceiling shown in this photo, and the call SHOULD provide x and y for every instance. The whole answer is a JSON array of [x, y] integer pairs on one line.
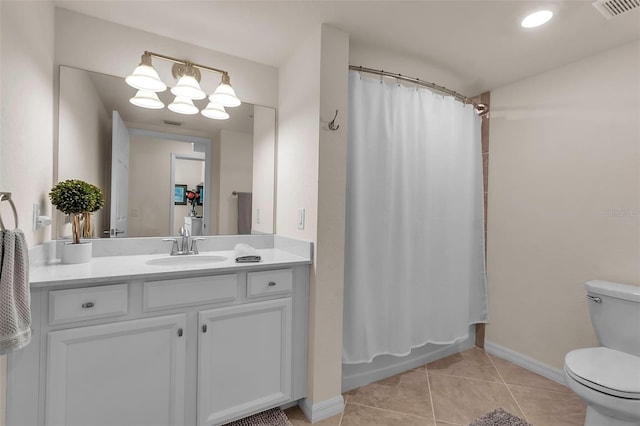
[[480, 42]]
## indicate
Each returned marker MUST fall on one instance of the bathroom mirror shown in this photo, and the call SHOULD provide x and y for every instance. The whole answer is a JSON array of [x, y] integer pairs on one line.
[[230, 162]]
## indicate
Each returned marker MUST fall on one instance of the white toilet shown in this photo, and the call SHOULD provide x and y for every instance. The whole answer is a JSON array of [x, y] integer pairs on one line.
[[607, 378]]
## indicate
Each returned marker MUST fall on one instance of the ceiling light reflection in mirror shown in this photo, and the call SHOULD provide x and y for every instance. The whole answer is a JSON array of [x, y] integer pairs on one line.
[[147, 80]]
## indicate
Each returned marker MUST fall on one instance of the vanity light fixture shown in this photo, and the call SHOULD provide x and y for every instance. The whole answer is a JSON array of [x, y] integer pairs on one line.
[[188, 76], [536, 19]]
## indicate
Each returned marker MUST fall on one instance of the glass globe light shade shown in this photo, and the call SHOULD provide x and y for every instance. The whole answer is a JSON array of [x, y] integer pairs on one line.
[[188, 87], [215, 111], [183, 105], [147, 99], [224, 93], [145, 77]]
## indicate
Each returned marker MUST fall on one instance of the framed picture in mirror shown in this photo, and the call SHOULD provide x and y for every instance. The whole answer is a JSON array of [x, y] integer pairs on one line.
[[180, 195], [200, 190]]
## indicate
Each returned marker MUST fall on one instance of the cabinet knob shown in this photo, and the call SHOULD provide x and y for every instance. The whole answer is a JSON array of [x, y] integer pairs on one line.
[[88, 305], [204, 328], [271, 284], [180, 332]]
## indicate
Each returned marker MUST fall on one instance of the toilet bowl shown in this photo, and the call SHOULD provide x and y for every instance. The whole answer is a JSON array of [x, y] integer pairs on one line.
[[609, 383], [607, 378]]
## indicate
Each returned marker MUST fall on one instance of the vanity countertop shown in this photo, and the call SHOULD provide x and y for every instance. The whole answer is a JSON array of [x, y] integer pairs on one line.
[[119, 268]]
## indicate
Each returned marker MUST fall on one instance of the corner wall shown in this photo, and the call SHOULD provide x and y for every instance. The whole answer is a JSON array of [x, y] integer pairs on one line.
[[564, 205], [312, 175]]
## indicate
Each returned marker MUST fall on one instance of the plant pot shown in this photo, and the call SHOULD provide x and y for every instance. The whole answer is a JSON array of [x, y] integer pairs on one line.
[[76, 253]]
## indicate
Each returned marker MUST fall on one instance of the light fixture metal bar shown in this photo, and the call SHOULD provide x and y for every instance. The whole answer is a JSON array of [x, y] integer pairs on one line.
[[183, 62]]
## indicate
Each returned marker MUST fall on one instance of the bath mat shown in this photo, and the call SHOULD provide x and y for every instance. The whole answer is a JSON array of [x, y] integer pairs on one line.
[[273, 417], [499, 417]]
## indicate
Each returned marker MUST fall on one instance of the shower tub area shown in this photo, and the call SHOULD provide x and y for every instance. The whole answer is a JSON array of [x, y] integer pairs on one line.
[[415, 279]]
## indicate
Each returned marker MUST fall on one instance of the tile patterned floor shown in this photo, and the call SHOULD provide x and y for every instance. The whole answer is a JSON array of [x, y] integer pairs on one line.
[[455, 391]]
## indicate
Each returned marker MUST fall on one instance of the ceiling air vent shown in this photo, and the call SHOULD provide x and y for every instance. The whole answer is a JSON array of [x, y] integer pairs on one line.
[[613, 8]]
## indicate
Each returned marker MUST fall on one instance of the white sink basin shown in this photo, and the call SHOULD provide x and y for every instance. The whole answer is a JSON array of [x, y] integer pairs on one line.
[[193, 259]]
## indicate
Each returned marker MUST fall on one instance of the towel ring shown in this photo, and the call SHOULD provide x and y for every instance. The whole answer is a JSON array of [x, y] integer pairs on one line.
[[6, 196]]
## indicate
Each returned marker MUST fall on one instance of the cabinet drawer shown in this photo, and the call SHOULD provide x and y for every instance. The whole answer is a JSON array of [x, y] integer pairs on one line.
[[189, 291], [87, 303], [269, 282]]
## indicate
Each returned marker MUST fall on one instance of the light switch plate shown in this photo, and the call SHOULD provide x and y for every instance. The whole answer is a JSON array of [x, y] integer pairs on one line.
[[301, 218]]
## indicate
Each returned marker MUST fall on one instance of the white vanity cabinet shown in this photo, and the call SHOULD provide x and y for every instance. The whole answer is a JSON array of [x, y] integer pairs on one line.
[[248, 348], [180, 350], [122, 373]]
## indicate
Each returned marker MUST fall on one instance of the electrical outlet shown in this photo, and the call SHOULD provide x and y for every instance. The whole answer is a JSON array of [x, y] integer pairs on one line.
[[301, 218]]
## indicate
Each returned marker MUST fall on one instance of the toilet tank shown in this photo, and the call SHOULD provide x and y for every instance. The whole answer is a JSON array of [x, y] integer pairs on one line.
[[615, 314]]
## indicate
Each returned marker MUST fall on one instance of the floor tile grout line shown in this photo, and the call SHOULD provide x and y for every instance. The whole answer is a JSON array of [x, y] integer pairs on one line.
[[541, 389], [507, 386], [529, 387], [433, 407], [448, 423], [404, 413]]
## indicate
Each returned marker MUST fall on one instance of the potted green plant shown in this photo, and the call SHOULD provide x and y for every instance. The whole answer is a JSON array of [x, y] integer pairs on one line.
[[77, 199]]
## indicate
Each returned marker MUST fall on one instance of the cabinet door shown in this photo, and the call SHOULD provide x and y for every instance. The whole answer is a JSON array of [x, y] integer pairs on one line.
[[244, 360], [124, 373]]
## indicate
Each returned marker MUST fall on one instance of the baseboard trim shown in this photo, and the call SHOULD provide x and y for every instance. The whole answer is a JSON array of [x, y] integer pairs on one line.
[[387, 365], [524, 361], [321, 410]]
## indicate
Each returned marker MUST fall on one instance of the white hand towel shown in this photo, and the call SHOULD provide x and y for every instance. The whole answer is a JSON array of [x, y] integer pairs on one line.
[[244, 253], [15, 299]]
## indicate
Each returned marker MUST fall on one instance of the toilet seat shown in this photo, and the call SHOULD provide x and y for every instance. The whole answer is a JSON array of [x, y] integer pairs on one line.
[[606, 370]]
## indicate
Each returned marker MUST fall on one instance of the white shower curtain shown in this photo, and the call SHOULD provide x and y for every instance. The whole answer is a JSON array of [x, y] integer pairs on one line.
[[414, 264]]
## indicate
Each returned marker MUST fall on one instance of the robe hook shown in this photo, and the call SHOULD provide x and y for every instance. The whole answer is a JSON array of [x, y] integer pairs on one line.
[[332, 123]]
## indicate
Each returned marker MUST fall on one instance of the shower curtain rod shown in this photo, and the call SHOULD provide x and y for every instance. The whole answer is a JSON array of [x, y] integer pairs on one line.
[[481, 108]]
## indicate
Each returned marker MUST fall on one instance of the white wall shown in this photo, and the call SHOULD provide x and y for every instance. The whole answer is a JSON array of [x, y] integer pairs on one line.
[[26, 122], [85, 129], [150, 200], [312, 175], [327, 285], [564, 200], [360, 55], [298, 139], [264, 150], [236, 153], [26, 151]]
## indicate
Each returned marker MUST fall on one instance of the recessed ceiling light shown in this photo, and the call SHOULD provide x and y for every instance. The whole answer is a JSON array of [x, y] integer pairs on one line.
[[536, 19]]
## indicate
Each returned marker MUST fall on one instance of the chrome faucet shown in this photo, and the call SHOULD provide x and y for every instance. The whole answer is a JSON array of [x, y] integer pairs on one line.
[[185, 248]]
